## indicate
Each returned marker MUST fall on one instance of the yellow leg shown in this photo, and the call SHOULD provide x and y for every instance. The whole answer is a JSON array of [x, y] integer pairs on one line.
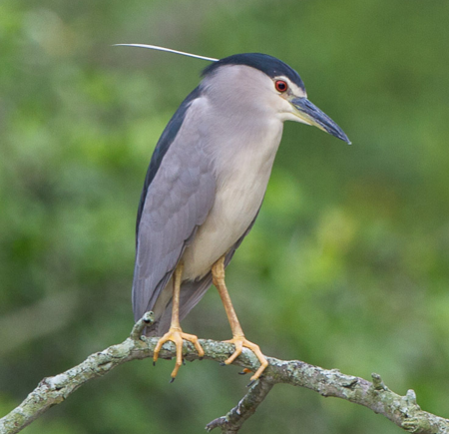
[[175, 333], [238, 338]]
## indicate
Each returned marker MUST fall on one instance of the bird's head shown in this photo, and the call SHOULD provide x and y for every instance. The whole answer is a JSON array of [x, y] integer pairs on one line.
[[261, 82]]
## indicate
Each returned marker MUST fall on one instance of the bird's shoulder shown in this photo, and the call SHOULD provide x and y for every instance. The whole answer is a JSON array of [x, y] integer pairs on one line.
[[166, 139]]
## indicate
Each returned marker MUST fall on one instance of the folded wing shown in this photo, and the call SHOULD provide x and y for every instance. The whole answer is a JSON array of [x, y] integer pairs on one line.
[[178, 194]]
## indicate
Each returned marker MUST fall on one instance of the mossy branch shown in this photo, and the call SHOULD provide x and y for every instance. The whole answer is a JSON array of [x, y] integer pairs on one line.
[[402, 410]]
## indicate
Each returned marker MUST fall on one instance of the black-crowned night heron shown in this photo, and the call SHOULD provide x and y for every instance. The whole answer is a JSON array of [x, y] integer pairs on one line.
[[205, 186]]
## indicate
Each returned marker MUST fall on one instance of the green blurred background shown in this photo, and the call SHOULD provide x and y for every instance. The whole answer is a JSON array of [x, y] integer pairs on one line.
[[347, 266]]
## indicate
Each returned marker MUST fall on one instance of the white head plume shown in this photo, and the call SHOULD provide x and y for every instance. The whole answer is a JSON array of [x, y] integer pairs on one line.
[[169, 50]]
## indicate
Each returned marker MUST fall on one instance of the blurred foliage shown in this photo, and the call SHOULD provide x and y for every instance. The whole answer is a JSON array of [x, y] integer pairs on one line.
[[347, 266]]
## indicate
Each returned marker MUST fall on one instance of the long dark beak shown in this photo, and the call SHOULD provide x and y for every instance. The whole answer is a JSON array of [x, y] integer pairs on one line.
[[310, 114]]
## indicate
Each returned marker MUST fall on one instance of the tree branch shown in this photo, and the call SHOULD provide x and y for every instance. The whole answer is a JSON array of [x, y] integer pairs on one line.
[[234, 420], [402, 410]]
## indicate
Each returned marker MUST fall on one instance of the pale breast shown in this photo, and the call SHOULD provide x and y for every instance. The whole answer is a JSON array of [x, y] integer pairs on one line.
[[241, 185]]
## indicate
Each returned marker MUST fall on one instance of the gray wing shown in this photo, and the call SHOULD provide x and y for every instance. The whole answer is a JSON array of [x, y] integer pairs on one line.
[[177, 201], [193, 291]]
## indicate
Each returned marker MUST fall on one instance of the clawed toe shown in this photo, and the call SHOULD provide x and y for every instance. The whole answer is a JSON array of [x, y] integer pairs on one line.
[[240, 342], [176, 335]]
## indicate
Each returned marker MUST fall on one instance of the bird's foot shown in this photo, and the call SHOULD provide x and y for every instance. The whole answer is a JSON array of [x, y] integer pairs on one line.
[[240, 342], [176, 335]]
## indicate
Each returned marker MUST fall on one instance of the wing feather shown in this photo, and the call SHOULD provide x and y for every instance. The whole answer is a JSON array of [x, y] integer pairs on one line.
[[177, 200]]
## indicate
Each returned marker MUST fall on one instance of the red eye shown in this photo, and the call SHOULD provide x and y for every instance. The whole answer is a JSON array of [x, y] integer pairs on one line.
[[281, 86]]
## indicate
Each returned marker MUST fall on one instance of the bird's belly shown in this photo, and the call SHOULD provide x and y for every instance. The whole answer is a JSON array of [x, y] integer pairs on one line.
[[228, 220], [236, 205]]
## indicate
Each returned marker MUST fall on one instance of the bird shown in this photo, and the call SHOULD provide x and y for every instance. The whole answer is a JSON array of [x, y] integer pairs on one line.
[[204, 188]]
